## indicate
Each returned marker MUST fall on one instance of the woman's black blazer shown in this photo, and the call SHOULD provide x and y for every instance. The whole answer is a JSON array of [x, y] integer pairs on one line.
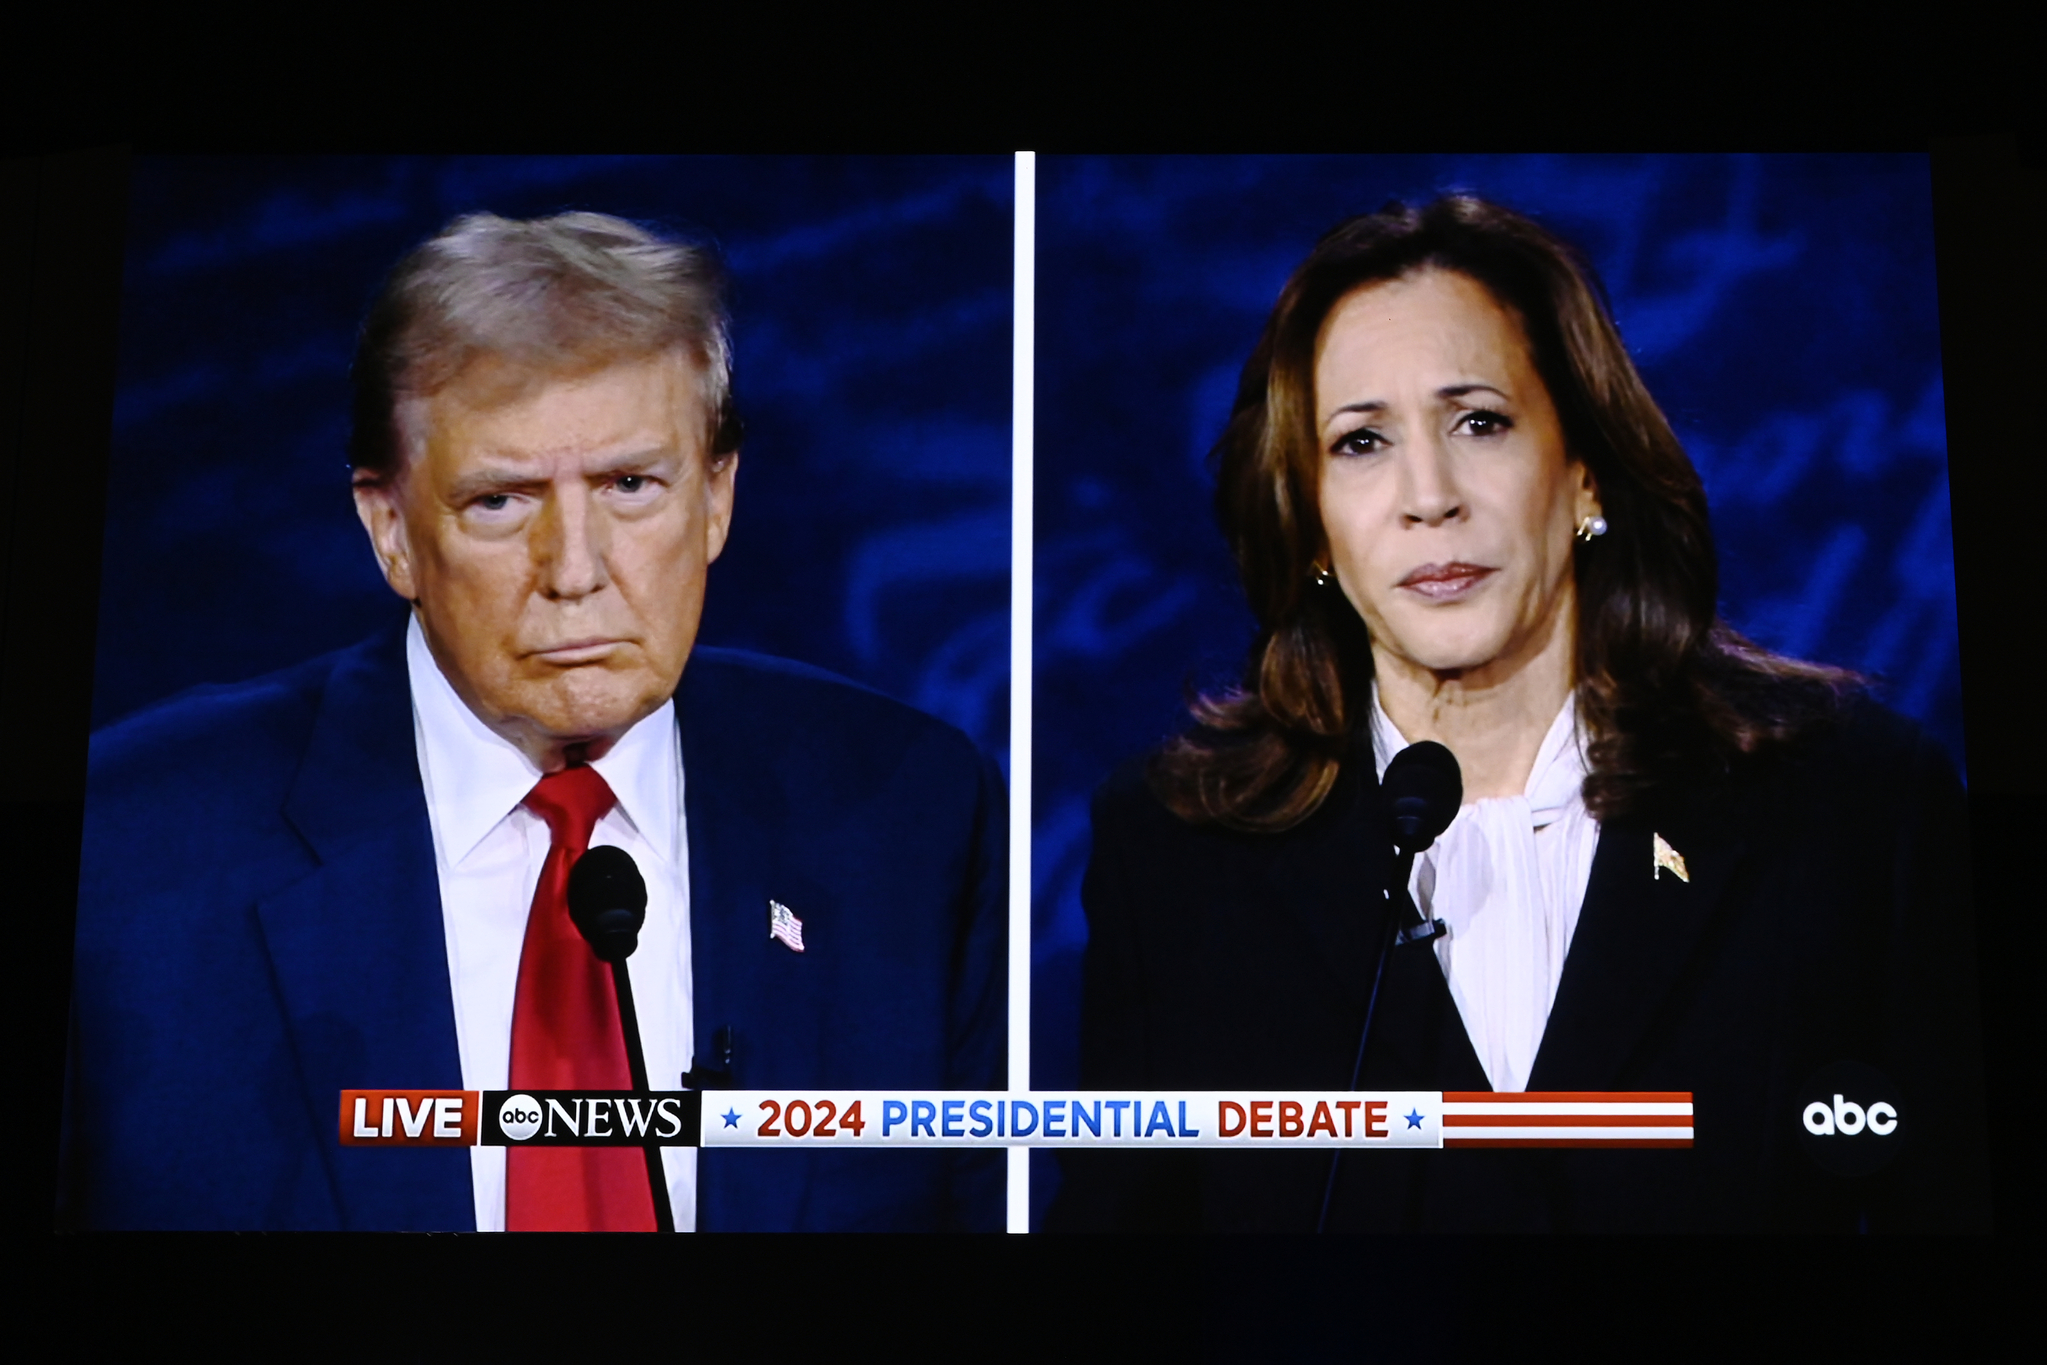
[[1827, 919]]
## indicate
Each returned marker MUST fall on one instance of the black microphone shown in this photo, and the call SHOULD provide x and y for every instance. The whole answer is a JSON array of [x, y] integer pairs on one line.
[[608, 904], [712, 1070], [1423, 787]]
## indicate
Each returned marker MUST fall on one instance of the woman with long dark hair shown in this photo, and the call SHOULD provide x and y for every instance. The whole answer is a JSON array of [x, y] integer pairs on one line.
[[1681, 862]]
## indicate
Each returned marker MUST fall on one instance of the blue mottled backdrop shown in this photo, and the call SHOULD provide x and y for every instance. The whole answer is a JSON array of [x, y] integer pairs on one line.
[[1782, 310], [871, 307]]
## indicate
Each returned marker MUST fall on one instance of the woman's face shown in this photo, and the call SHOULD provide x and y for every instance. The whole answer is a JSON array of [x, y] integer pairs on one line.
[[1448, 498]]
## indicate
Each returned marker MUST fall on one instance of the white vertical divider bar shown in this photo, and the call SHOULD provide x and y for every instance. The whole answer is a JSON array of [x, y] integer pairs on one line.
[[1023, 347]]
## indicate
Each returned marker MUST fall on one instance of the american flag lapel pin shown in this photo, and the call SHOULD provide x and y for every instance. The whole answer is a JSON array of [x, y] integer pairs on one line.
[[783, 924], [1670, 858]]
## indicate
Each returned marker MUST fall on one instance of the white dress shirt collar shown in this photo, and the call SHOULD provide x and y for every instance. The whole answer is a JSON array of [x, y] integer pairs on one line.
[[475, 777]]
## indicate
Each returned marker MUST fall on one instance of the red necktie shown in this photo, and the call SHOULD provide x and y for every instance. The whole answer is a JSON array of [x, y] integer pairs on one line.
[[565, 1036]]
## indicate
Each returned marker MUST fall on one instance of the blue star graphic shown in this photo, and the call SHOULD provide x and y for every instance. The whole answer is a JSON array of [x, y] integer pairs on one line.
[[731, 1118], [1413, 1117]]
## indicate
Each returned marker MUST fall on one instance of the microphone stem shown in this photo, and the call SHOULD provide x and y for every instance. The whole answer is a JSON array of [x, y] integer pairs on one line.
[[1397, 897], [629, 1024]]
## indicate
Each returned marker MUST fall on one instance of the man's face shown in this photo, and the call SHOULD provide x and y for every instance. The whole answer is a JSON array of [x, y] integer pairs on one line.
[[555, 543]]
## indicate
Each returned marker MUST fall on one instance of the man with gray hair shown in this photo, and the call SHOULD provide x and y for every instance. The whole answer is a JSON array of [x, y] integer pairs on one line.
[[353, 874]]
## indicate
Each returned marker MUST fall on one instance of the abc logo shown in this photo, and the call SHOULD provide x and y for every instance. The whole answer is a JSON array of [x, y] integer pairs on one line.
[[1848, 1118], [519, 1117], [1851, 1119]]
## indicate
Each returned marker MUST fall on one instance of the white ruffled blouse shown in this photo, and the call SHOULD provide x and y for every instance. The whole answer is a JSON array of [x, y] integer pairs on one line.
[[1508, 879]]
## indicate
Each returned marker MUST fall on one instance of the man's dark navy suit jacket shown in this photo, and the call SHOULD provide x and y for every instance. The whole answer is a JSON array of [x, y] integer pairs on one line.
[[259, 926]]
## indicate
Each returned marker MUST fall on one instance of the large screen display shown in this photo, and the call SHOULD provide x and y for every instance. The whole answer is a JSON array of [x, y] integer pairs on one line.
[[756, 645]]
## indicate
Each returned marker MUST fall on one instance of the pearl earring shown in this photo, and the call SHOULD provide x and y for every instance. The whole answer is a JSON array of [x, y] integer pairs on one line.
[[1590, 527]]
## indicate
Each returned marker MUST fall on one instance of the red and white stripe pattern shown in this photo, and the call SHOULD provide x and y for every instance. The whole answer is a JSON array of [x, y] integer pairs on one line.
[[783, 925], [1567, 1118]]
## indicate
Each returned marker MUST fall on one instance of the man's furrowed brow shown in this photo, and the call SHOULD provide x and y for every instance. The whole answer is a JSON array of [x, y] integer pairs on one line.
[[631, 462], [482, 483]]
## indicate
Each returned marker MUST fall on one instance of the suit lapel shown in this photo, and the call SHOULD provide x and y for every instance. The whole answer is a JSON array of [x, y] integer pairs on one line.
[[1637, 932], [1330, 878], [1329, 873], [358, 947], [740, 979]]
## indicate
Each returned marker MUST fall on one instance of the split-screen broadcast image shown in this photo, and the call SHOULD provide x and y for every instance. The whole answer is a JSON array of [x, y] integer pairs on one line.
[[1490, 630]]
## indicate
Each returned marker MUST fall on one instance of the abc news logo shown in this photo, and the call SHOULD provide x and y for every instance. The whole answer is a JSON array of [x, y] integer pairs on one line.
[[1851, 1119], [591, 1118]]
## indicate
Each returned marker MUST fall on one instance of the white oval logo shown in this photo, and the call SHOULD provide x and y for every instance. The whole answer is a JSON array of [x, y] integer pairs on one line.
[[519, 1117]]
